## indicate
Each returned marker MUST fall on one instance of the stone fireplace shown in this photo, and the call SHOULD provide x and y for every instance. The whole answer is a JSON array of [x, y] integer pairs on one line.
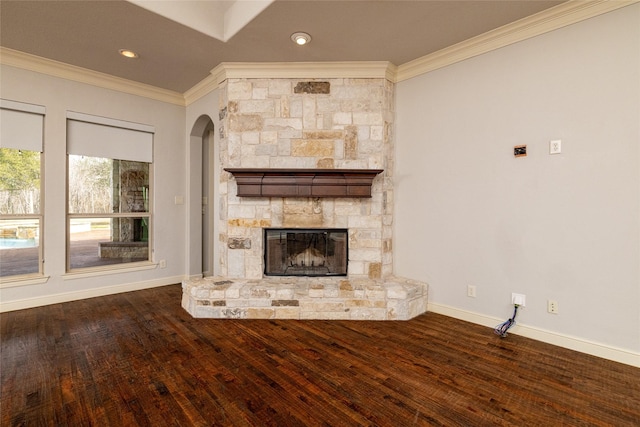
[[332, 125]]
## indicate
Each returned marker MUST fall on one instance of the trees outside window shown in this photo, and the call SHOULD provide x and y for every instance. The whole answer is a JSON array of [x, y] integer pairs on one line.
[[20, 213], [21, 210], [109, 214], [108, 192]]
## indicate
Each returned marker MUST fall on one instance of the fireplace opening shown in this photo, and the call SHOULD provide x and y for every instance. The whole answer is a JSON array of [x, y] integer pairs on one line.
[[305, 252]]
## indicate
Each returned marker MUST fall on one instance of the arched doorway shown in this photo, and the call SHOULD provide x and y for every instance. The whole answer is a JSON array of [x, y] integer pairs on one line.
[[202, 193]]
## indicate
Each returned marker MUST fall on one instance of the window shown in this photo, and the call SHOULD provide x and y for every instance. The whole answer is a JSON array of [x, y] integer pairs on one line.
[[109, 192], [21, 127]]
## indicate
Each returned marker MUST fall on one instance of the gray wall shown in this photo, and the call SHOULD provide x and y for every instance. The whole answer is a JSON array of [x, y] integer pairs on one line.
[[59, 96], [563, 227], [198, 114]]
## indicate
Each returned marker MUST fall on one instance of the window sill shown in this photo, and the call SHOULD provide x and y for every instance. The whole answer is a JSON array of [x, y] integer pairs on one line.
[[15, 281], [101, 271]]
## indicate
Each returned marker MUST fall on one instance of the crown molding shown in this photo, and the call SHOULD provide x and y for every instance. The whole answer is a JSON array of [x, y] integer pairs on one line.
[[560, 16], [205, 86], [308, 70], [567, 13], [53, 68], [291, 70]]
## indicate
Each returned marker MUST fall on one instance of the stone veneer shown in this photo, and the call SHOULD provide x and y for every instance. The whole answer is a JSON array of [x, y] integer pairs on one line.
[[305, 123], [294, 123]]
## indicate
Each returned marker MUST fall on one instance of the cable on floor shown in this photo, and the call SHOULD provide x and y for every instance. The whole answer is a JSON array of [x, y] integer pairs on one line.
[[502, 328]]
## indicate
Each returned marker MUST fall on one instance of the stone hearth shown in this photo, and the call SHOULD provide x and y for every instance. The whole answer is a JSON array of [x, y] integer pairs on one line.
[[304, 298]]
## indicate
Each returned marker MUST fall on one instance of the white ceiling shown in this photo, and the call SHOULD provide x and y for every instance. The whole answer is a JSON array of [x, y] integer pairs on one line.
[[220, 19], [179, 52]]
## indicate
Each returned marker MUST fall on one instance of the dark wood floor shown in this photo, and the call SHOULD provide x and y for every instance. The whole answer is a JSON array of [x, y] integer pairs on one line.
[[138, 359]]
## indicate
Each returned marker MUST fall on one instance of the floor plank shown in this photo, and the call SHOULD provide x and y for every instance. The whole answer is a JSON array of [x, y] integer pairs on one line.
[[138, 359]]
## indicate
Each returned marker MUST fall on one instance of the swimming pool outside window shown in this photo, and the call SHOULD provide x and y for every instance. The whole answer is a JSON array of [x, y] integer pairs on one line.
[[20, 187]]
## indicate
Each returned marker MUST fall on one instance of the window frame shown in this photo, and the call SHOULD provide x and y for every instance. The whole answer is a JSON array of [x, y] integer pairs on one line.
[[121, 265], [36, 277], [40, 218], [81, 117]]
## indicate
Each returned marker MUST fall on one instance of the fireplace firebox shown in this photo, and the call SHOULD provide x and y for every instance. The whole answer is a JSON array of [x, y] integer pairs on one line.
[[305, 252]]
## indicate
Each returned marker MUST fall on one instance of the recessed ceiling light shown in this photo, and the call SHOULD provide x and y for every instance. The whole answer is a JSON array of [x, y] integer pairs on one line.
[[128, 53], [300, 38]]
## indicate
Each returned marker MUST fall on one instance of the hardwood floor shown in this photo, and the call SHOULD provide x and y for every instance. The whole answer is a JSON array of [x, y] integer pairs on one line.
[[138, 359]]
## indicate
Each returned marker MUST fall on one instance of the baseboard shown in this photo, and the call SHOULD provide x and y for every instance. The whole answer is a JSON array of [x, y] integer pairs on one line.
[[87, 293], [578, 344], [561, 340]]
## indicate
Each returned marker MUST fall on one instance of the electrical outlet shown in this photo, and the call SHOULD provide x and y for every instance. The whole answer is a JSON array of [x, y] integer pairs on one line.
[[162, 263], [518, 299], [552, 306], [555, 146], [471, 291]]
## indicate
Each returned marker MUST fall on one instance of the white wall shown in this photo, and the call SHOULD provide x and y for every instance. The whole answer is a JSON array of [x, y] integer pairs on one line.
[[59, 96], [563, 227]]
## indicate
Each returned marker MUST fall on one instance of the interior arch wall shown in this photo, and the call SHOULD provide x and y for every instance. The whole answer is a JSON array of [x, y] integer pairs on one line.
[[202, 113]]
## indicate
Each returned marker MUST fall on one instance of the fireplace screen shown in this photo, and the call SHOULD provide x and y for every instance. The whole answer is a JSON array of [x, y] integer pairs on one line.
[[305, 252]]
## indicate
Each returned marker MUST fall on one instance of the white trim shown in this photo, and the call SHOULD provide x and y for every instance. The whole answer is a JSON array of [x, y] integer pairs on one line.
[[567, 13], [87, 293], [21, 106], [307, 70], [561, 340], [109, 269], [204, 87], [15, 281], [50, 67], [290, 70]]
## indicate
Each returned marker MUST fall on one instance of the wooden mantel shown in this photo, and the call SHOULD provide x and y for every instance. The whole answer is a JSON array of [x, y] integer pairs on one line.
[[255, 182]]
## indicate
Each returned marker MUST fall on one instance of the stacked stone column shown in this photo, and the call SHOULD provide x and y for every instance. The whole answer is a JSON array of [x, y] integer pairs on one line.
[[293, 123]]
